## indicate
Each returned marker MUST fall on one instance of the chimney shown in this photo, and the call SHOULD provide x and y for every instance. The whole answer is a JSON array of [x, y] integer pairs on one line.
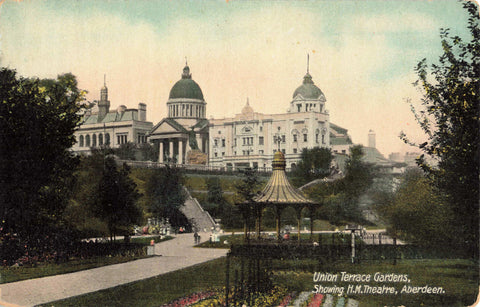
[[142, 112], [371, 139]]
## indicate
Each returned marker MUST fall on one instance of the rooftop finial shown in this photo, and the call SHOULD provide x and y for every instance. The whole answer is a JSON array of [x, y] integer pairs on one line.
[[186, 62], [308, 62]]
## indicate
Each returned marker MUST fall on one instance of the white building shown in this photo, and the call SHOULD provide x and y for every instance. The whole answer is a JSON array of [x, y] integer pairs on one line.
[[113, 128], [250, 138]]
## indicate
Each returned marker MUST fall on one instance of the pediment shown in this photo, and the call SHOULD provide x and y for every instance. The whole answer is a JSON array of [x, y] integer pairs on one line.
[[164, 127]]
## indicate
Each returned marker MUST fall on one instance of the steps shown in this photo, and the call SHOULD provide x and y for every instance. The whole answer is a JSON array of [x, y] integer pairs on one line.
[[194, 212]]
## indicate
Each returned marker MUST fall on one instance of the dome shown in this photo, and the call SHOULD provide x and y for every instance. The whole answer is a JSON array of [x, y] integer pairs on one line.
[[186, 87], [308, 89], [247, 109]]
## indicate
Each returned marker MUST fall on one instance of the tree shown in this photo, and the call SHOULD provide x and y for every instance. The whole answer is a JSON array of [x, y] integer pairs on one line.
[[37, 123], [80, 212], [165, 192], [126, 151], [246, 190], [450, 120], [416, 212], [215, 203], [341, 198], [314, 163], [116, 198]]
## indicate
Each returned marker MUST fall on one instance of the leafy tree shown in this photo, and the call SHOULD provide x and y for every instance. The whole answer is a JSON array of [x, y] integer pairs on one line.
[[215, 203], [314, 163], [148, 152], [80, 212], [416, 212], [246, 190], [341, 197], [126, 151], [37, 123], [116, 198], [450, 120], [165, 192]]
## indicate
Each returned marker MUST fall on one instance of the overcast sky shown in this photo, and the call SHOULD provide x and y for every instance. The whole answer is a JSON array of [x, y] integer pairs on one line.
[[362, 54]]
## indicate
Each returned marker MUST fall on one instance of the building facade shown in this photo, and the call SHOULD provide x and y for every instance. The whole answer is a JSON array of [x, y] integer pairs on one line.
[[113, 128], [185, 130], [250, 139]]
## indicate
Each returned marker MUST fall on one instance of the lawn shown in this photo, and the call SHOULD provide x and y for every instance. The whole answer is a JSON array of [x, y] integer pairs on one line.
[[12, 274], [459, 278]]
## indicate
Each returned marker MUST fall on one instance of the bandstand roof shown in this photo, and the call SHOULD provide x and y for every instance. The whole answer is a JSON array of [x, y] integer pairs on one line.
[[278, 189]]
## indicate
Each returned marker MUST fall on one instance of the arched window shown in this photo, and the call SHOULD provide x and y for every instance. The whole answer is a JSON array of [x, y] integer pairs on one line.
[[100, 139], [94, 140], [107, 138], [81, 141], [87, 140]]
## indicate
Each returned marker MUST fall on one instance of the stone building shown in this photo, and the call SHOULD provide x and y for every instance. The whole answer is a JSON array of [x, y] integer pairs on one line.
[[101, 126], [251, 138], [182, 136]]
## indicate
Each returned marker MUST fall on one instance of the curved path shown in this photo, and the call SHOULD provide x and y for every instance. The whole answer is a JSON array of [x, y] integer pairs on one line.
[[172, 255]]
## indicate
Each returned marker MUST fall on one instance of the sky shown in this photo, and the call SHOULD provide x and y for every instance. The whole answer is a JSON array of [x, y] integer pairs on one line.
[[362, 53]]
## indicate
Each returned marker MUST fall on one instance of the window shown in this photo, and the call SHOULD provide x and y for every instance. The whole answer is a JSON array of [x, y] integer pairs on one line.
[[283, 151], [343, 151], [215, 154], [121, 139], [219, 132], [223, 154], [260, 140], [299, 107], [87, 140], [234, 153], [294, 138], [100, 139], [141, 138], [305, 137], [316, 137], [81, 141], [235, 142], [323, 138], [260, 152], [94, 140], [261, 128], [107, 138], [294, 150], [283, 138], [223, 142], [215, 143]]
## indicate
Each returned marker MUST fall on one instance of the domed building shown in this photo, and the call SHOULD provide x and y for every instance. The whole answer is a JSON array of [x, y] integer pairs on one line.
[[185, 130], [250, 139]]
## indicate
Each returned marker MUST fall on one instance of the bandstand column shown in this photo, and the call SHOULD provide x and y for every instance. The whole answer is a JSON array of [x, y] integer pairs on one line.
[[180, 152], [160, 153]]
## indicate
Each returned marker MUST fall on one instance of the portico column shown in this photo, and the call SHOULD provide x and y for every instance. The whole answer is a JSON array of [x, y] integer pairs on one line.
[[170, 154], [180, 152], [160, 153], [199, 142]]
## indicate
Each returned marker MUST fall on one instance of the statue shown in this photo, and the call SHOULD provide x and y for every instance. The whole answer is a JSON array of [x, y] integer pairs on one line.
[[192, 140]]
